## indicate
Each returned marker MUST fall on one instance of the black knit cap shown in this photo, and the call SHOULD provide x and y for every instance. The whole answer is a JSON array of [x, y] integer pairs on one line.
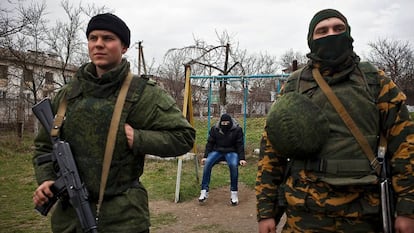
[[225, 117], [325, 14], [111, 23]]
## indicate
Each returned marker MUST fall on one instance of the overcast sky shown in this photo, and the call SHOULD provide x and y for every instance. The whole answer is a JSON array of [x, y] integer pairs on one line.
[[260, 26]]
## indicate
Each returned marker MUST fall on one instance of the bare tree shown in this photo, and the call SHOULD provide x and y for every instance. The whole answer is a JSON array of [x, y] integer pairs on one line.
[[396, 58], [260, 89], [91, 10], [286, 60], [13, 19], [221, 59], [28, 38], [172, 71], [65, 41]]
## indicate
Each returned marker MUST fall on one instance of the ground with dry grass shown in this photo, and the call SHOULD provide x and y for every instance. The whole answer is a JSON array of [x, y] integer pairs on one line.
[[217, 215]]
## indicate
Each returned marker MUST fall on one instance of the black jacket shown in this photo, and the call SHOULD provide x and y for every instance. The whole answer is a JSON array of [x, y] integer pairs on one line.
[[230, 141]]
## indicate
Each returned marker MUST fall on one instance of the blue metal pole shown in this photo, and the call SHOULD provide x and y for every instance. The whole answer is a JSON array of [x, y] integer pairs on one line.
[[246, 92], [238, 77], [209, 106]]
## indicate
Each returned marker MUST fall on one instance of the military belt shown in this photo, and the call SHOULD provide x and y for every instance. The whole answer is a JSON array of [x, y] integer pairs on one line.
[[338, 167]]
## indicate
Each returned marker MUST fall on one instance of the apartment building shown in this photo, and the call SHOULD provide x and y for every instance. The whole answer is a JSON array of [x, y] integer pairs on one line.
[[25, 78]]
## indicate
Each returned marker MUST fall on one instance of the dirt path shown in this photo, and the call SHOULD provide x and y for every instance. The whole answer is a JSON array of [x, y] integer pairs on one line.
[[217, 215]]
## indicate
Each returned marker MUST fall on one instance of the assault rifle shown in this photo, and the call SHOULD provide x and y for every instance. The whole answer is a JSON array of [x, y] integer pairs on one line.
[[387, 194], [68, 184]]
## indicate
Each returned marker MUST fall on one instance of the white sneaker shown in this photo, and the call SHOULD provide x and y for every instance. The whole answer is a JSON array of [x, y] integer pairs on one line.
[[203, 196], [234, 199]]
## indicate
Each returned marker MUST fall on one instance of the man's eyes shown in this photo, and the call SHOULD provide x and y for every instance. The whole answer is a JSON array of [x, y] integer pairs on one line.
[[105, 38], [321, 31], [339, 28], [325, 30]]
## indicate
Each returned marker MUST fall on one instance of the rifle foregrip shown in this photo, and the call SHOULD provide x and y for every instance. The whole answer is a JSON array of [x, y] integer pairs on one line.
[[88, 221]]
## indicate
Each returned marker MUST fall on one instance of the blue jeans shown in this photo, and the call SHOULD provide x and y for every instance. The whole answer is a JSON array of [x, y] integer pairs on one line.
[[232, 161]]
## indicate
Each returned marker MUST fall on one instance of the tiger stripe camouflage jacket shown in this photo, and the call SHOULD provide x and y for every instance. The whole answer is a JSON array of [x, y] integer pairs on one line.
[[394, 119]]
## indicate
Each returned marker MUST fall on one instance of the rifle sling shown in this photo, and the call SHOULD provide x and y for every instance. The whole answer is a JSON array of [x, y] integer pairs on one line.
[[59, 118], [349, 122], [110, 141]]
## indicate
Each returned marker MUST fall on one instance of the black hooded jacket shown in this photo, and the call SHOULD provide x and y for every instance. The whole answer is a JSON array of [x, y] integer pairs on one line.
[[230, 141]]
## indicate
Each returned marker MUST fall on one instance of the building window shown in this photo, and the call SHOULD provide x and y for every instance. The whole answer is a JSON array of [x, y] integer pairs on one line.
[[28, 76], [3, 94], [49, 78], [3, 76]]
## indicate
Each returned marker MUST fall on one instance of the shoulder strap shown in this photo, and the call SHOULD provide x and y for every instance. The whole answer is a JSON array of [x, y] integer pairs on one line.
[[59, 118], [347, 120], [111, 138]]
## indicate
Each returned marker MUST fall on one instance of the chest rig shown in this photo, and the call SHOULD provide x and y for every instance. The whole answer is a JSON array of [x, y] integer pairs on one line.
[[341, 160]]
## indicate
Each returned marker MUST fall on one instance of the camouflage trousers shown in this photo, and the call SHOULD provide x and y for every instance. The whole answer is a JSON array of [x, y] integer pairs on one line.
[[306, 222]]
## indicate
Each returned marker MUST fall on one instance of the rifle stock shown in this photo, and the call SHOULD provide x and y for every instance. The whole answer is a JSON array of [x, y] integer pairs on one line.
[[43, 112], [68, 185]]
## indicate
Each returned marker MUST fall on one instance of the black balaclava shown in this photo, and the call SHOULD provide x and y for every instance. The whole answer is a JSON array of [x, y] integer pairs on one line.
[[226, 117], [334, 53]]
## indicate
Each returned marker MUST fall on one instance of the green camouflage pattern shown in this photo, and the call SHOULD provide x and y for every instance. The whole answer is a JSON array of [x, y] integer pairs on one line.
[[316, 206], [159, 129], [296, 126], [340, 150]]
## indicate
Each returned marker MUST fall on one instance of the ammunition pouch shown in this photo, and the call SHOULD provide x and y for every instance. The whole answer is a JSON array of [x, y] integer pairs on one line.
[[339, 172]]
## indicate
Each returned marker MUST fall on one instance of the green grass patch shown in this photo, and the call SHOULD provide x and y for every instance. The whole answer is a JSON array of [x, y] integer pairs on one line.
[[17, 184], [160, 178]]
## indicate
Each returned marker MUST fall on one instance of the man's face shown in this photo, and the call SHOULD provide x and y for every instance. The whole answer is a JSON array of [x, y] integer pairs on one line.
[[327, 27], [225, 125], [105, 49]]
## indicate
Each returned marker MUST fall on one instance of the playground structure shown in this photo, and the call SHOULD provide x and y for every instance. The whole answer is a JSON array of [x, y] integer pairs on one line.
[[188, 112], [188, 107]]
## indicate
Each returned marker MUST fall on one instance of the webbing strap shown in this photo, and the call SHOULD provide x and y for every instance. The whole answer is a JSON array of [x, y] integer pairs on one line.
[[349, 122], [334, 166], [110, 141], [59, 118]]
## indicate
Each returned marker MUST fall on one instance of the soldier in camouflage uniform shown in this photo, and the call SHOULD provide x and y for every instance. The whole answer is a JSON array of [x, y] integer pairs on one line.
[[151, 123], [324, 183]]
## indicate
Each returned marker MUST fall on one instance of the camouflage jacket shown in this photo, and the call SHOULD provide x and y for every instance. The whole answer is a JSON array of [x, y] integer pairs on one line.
[[159, 129], [303, 191]]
